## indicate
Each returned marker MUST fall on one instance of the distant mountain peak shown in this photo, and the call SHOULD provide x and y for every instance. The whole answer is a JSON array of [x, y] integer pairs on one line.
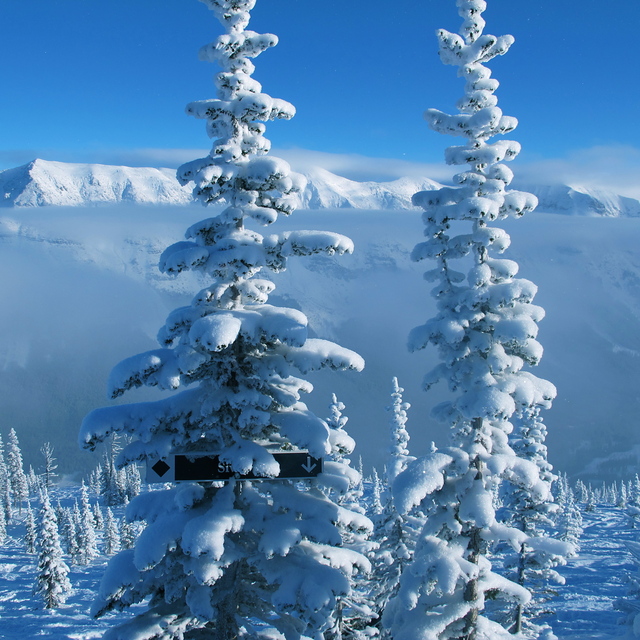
[[326, 190], [583, 200], [49, 183], [46, 182]]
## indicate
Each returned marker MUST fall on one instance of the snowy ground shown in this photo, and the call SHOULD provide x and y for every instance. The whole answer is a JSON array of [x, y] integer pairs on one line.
[[22, 614], [594, 580]]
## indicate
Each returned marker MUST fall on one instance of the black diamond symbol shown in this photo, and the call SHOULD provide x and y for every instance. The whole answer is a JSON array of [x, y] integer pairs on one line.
[[161, 467]]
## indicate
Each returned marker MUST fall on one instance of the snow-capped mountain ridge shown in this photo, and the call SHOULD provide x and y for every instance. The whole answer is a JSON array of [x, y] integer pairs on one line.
[[44, 182], [49, 183], [583, 200], [325, 190]]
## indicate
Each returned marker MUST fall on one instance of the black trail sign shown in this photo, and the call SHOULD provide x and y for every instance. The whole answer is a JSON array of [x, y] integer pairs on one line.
[[203, 467]]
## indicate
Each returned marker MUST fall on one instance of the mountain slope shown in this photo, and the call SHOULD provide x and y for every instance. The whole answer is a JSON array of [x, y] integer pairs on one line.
[[577, 200], [326, 190], [44, 182], [82, 291]]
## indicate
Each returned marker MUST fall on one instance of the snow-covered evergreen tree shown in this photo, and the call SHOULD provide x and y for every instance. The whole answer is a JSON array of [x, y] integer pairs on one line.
[[17, 477], [132, 481], [95, 481], [633, 503], [98, 520], [591, 502], [377, 490], [399, 455], [68, 526], [5, 486], [613, 495], [33, 482], [581, 492], [52, 583], [393, 533], [49, 465], [533, 564], [354, 612], [485, 332], [60, 515], [85, 531], [222, 559], [128, 534], [622, 496], [30, 531], [568, 519], [560, 489], [3, 523], [112, 480], [630, 605], [111, 535]]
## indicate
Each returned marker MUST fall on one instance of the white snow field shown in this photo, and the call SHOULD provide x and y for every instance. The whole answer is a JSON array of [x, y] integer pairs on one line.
[[584, 606], [22, 614], [596, 578], [81, 291]]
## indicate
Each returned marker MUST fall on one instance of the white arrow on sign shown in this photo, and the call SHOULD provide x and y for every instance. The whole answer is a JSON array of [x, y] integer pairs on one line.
[[309, 467]]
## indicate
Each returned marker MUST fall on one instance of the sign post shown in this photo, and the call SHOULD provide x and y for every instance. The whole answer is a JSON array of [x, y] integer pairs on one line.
[[205, 467]]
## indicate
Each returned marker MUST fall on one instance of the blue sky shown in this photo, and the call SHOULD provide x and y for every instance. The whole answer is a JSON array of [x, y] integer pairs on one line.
[[108, 81]]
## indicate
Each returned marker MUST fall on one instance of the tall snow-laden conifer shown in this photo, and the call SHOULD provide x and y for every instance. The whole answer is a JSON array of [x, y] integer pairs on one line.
[[394, 533], [69, 531], [399, 455], [3, 523], [49, 467], [30, 532], [52, 583], [533, 512], [86, 532], [5, 486], [245, 559], [353, 615], [15, 468], [485, 333], [111, 536]]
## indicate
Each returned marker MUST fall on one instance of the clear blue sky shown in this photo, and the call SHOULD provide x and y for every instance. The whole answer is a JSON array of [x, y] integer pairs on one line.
[[108, 81]]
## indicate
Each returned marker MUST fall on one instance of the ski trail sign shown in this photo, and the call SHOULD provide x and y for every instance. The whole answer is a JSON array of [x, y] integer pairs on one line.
[[204, 467]]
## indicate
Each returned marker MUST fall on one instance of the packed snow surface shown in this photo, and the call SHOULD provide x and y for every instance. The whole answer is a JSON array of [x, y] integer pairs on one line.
[[583, 609]]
